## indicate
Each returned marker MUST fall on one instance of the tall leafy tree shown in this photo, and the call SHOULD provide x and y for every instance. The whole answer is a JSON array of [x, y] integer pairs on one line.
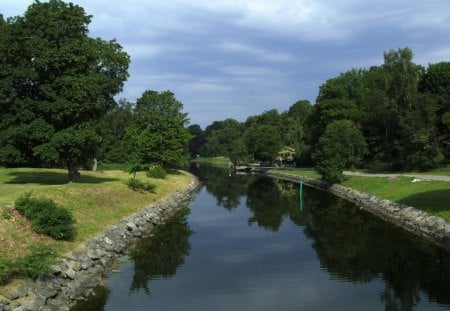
[[263, 136], [340, 147], [198, 139], [158, 133], [55, 83], [112, 131], [225, 138]]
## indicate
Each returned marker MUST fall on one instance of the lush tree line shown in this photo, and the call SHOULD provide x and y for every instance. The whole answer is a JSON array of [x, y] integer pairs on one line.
[[57, 106], [390, 117]]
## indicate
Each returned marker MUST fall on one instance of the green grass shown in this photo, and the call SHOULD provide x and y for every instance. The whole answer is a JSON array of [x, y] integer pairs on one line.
[[220, 161], [99, 200], [430, 196], [443, 171], [306, 173]]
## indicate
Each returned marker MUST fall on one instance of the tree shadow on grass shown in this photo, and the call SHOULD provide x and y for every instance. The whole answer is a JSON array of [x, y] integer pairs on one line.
[[431, 201], [53, 178]]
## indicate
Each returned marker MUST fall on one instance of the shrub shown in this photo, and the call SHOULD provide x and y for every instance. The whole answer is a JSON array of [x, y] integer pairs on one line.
[[47, 217], [36, 263], [156, 171], [5, 269], [136, 184], [6, 215]]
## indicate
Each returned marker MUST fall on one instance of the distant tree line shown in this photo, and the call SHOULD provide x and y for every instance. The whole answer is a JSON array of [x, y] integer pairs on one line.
[[57, 108], [390, 117]]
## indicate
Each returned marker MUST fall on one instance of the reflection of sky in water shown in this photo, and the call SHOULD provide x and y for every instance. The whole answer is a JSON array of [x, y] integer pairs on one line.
[[234, 266]]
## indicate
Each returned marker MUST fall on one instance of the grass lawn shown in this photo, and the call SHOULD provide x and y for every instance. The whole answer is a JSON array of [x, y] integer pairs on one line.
[[430, 196], [221, 161], [99, 200], [307, 173]]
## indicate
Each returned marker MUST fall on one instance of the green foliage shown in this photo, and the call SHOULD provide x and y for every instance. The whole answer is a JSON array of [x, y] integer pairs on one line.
[[137, 184], [157, 132], [6, 215], [47, 217], [112, 130], [33, 265], [225, 138], [134, 168], [156, 171], [198, 139], [36, 263], [5, 269], [56, 83], [340, 147]]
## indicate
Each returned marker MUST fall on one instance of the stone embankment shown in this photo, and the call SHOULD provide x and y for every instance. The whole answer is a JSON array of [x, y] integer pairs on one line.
[[432, 228], [77, 273]]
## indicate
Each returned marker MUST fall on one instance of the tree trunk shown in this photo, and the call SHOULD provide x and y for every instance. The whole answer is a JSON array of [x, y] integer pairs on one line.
[[94, 167], [74, 174]]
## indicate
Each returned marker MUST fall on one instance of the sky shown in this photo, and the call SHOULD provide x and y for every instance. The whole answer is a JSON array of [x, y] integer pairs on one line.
[[237, 58]]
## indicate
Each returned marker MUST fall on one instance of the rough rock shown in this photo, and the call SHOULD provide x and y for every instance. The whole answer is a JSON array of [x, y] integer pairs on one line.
[[432, 228], [75, 274]]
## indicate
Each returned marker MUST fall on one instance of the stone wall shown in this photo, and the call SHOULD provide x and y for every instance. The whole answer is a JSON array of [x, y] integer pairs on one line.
[[77, 273], [432, 228]]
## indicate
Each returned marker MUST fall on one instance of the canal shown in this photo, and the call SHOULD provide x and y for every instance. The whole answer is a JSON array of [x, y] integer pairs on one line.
[[244, 243]]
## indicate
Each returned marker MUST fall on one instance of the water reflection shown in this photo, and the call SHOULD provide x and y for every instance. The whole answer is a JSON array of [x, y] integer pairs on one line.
[[351, 245], [268, 254], [159, 255], [228, 189]]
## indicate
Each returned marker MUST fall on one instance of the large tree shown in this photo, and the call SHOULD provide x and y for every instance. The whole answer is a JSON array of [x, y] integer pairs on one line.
[[158, 133], [55, 83], [226, 139], [340, 147]]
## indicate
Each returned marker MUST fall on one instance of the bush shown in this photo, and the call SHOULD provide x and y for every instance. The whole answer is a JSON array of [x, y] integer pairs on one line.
[[136, 184], [47, 217], [5, 269], [156, 171], [36, 263]]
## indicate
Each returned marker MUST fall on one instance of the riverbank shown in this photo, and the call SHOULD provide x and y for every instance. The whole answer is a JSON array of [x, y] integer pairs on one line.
[[432, 228], [76, 273]]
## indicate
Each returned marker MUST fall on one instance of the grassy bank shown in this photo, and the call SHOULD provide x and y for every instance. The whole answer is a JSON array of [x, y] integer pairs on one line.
[[430, 196], [97, 201], [220, 161]]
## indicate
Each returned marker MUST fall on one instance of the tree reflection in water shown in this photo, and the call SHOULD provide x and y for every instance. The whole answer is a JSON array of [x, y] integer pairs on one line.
[[357, 247], [228, 188], [350, 244], [160, 254]]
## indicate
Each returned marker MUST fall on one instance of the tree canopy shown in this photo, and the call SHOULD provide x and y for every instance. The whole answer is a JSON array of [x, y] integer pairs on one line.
[[55, 83], [157, 132]]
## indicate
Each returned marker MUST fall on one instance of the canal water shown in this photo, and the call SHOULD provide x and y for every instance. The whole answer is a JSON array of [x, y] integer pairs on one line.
[[246, 243]]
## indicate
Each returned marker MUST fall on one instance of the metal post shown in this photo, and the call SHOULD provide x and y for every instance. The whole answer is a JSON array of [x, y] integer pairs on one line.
[[301, 195]]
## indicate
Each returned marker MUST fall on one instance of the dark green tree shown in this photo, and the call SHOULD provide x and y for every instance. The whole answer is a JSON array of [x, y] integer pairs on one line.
[[340, 147], [55, 83], [226, 139], [112, 131], [197, 140], [158, 133], [264, 135], [436, 84]]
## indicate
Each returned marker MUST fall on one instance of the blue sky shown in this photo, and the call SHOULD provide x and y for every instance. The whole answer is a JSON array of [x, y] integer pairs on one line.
[[236, 58]]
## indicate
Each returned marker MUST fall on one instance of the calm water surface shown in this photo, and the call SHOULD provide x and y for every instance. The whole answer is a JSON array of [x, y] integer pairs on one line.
[[244, 244]]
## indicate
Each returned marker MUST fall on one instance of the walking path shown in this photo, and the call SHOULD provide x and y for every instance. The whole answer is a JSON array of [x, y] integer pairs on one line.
[[418, 176]]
